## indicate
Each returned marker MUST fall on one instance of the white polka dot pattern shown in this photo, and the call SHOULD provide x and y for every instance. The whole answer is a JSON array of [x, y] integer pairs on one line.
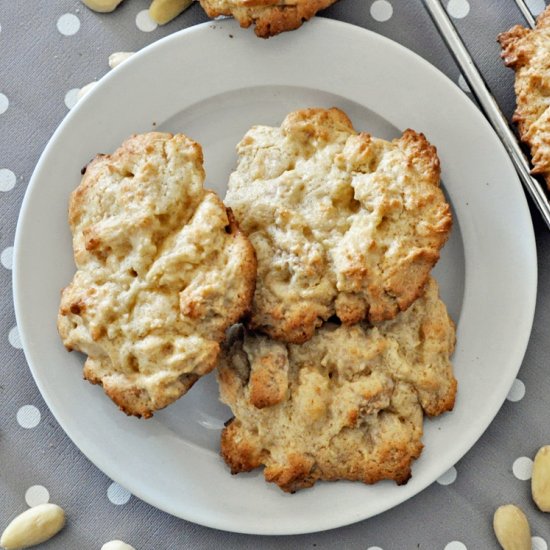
[[117, 545], [448, 477], [71, 97], [37, 494], [6, 258], [7, 179], [517, 391], [66, 31], [458, 8], [13, 337], [463, 84], [381, 10], [117, 494], [28, 417], [144, 22], [535, 6], [68, 24], [4, 103], [523, 468]]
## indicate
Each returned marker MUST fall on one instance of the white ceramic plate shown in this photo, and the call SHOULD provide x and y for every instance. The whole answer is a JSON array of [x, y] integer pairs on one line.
[[213, 82]]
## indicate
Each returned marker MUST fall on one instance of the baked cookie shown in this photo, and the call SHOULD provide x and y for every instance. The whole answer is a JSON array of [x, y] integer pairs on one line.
[[163, 270], [270, 17], [527, 51], [348, 404], [342, 223]]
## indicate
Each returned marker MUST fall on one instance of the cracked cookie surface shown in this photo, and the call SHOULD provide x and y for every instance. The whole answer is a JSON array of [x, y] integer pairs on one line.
[[348, 404], [162, 271], [270, 17], [527, 52], [343, 223]]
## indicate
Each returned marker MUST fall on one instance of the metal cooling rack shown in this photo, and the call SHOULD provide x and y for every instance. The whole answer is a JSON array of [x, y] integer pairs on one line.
[[488, 103]]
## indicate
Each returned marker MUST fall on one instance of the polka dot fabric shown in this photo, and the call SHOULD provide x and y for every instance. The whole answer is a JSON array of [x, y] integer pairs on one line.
[[50, 51], [381, 10], [523, 468], [36, 495], [535, 6], [117, 494], [68, 24], [463, 84], [71, 98], [28, 416], [7, 179], [144, 22], [517, 391], [458, 8], [14, 338], [4, 103], [448, 477], [6, 257]]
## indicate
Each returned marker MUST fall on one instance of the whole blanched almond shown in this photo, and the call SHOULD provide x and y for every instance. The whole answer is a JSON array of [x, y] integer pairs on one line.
[[35, 525], [117, 58], [102, 6], [163, 11], [540, 480], [512, 528], [116, 545], [85, 89]]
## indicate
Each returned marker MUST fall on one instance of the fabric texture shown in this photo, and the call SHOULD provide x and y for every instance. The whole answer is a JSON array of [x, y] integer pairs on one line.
[[50, 49]]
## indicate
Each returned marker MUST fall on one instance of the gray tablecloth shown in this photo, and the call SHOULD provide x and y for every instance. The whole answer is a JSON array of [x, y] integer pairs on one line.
[[50, 49]]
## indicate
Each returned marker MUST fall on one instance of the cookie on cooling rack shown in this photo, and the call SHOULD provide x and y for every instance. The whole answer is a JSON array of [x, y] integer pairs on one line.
[[527, 51]]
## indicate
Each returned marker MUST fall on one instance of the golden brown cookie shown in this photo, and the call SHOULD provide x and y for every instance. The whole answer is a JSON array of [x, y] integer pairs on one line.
[[348, 404], [343, 223], [163, 270], [270, 17], [527, 51]]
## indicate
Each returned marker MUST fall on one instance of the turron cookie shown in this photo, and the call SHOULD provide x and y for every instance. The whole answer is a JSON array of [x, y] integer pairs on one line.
[[527, 51], [343, 223], [270, 17], [347, 404], [162, 271]]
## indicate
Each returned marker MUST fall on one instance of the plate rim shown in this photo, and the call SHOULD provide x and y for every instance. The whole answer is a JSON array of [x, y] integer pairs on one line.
[[17, 289]]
